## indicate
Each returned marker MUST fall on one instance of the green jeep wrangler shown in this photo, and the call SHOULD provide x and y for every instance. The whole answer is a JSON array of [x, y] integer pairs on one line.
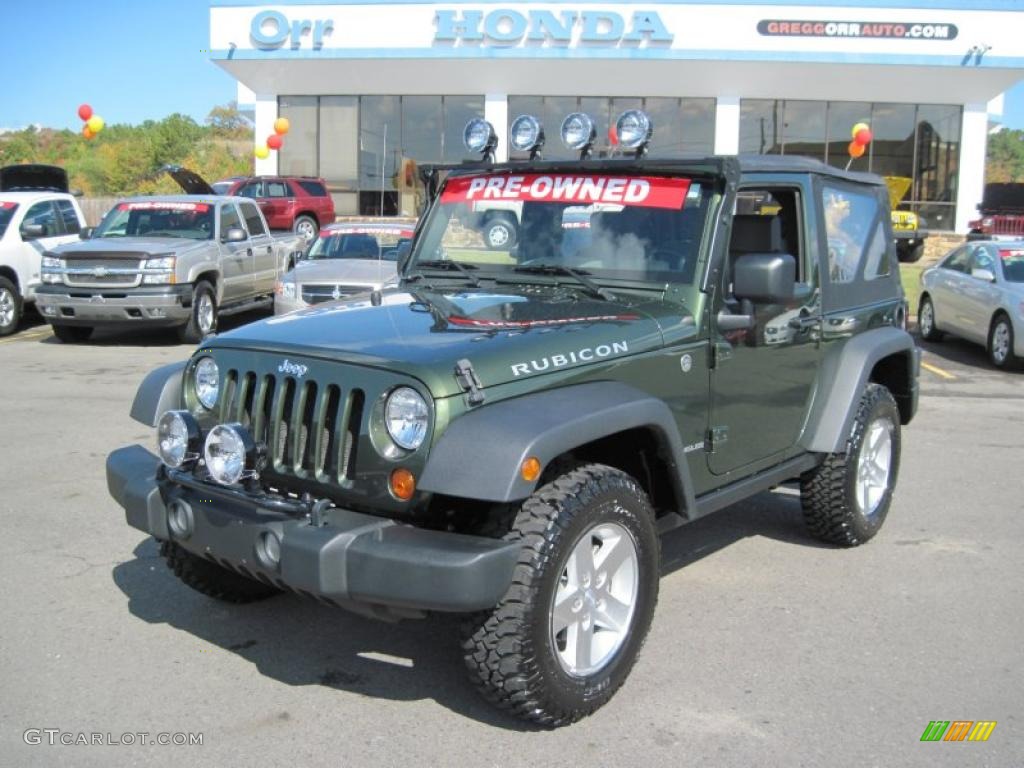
[[506, 434]]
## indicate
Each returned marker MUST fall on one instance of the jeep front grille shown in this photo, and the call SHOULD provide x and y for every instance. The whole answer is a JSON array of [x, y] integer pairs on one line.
[[311, 430]]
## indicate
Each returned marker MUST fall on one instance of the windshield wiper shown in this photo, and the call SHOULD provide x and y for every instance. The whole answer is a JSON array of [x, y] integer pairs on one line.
[[452, 264], [560, 269]]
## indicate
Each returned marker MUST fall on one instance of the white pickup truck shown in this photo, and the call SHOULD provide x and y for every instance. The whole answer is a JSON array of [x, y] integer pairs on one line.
[[176, 261], [36, 214]]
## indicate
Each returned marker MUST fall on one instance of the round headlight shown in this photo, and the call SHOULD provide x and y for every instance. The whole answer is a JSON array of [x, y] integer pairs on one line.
[[578, 131], [633, 128], [229, 452], [405, 415], [177, 438], [479, 135], [206, 378], [526, 134]]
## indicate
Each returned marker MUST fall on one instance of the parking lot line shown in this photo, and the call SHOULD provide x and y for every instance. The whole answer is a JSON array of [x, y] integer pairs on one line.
[[937, 371], [40, 333]]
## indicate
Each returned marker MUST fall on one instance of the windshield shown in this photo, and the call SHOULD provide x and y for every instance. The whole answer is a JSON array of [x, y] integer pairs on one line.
[[636, 228], [6, 214], [369, 243], [1013, 264], [221, 187], [158, 219]]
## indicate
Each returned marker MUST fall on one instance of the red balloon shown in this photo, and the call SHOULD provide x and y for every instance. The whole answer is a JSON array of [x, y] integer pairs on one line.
[[613, 137], [856, 150], [85, 112], [274, 141], [863, 136]]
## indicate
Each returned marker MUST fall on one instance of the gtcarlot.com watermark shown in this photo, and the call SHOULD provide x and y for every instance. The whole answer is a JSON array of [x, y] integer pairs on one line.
[[56, 736]]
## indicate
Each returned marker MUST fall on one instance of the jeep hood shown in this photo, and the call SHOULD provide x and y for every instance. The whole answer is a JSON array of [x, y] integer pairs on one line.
[[506, 335], [128, 247]]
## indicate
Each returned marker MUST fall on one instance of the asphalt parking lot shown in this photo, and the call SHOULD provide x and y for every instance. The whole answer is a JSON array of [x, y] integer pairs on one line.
[[767, 648]]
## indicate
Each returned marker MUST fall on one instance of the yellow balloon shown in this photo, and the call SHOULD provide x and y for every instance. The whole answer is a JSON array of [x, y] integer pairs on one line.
[[281, 126], [859, 127], [262, 152], [95, 123]]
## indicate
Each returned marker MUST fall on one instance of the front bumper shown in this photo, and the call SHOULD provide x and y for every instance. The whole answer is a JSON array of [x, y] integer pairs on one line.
[[909, 236], [350, 558], [162, 305], [283, 305]]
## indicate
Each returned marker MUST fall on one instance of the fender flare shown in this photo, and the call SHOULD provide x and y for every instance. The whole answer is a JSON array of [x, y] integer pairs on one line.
[[845, 371], [480, 454], [159, 392]]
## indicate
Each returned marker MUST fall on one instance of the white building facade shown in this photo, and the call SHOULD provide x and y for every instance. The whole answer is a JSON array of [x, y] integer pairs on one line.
[[367, 86]]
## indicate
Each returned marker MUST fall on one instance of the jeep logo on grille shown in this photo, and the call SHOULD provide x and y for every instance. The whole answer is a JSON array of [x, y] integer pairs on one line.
[[296, 370]]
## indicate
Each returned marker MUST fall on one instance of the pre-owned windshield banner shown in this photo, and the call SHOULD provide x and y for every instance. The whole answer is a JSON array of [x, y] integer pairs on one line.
[[643, 191], [157, 205]]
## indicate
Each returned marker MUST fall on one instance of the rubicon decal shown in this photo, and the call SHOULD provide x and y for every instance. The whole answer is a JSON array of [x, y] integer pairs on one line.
[[648, 192], [586, 355], [857, 29]]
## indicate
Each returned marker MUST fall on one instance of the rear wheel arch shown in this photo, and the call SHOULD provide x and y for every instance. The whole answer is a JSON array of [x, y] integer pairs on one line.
[[894, 372]]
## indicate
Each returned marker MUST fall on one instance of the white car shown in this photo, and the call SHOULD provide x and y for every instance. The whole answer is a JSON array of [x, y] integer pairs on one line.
[[347, 259], [36, 214], [977, 293]]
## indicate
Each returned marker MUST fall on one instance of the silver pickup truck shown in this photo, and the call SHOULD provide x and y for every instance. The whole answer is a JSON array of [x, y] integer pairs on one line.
[[175, 261]]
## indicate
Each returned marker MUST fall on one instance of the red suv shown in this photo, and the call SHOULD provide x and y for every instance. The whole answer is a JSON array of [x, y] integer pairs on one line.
[[299, 203]]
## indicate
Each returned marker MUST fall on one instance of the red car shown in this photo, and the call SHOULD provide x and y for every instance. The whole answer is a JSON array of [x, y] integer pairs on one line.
[[299, 203]]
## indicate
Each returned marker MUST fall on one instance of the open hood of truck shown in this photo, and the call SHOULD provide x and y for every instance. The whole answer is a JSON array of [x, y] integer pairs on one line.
[[31, 176], [189, 181]]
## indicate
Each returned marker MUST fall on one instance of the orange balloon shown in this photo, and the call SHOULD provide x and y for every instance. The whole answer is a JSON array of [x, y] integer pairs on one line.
[[281, 126], [87, 132], [856, 150]]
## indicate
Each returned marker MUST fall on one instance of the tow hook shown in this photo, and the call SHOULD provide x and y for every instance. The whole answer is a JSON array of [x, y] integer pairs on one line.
[[316, 515]]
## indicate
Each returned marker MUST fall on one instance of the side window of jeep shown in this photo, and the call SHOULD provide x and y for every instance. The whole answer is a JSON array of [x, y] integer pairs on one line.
[[849, 227], [769, 220]]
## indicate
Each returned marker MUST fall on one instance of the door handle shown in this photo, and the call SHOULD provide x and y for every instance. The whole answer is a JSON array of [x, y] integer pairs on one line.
[[248, 251]]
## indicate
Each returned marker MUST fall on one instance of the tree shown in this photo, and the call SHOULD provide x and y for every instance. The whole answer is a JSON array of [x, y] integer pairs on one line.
[[1005, 160], [227, 121]]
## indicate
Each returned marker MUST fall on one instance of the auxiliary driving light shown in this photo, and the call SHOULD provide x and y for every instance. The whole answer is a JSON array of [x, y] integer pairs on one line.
[[578, 131], [634, 129], [480, 136], [230, 453], [268, 549], [178, 439], [526, 135], [180, 520]]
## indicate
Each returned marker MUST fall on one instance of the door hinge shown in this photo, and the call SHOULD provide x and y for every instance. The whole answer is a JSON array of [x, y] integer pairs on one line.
[[716, 436], [720, 352], [469, 381]]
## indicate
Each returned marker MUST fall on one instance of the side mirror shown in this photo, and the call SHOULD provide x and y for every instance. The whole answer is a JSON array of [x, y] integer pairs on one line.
[[85, 233], [33, 231], [235, 235], [764, 278], [404, 252], [984, 274]]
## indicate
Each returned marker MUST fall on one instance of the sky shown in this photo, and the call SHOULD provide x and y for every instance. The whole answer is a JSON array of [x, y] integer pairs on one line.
[[136, 60]]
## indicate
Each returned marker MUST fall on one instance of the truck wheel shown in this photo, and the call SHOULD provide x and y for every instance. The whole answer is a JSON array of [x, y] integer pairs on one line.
[[212, 580], [566, 635], [909, 255], [499, 234], [846, 498], [926, 321], [72, 334], [10, 307], [305, 226], [1000, 343], [203, 320]]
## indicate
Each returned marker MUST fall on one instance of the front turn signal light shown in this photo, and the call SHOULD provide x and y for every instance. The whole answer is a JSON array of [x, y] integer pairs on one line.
[[403, 484], [530, 470]]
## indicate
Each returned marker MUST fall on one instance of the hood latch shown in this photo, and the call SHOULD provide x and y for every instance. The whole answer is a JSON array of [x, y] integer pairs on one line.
[[469, 381]]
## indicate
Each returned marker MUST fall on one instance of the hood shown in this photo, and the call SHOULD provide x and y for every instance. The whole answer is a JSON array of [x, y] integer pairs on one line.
[[353, 271], [128, 247], [190, 181], [30, 177], [507, 336]]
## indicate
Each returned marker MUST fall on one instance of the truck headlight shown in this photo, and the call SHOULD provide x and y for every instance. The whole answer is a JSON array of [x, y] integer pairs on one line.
[[206, 382], [230, 453], [158, 270], [177, 438], [49, 271], [285, 289], [406, 417]]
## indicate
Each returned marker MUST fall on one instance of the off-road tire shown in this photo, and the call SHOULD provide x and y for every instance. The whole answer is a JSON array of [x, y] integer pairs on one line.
[[10, 298], [193, 332], [1008, 361], [213, 580], [910, 254], [72, 334], [828, 492], [307, 227], [508, 650], [500, 233], [926, 321]]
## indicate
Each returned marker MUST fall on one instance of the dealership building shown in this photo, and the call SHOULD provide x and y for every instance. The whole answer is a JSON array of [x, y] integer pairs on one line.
[[370, 86]]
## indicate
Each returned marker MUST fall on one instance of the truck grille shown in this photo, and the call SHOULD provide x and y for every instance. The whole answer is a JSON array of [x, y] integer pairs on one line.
[[311, 430], [1006, 225], [102, 272], [317, 293]]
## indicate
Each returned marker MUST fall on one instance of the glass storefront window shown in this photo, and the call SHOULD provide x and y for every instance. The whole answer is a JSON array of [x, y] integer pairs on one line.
[[458, 110], [760, 127], [422, 128], [842, 116], [892, 148], [803, 128], [380, 141], [298, 154], [339, 145]]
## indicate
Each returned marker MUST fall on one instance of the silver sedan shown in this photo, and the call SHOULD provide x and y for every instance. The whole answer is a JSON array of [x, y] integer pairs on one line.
[[977, 293]]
